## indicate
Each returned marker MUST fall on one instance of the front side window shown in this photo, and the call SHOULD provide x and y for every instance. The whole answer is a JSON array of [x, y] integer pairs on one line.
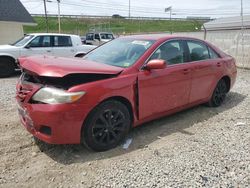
[[40, 41], [172, 52], [120, 52], [198, 51], [62, 41]]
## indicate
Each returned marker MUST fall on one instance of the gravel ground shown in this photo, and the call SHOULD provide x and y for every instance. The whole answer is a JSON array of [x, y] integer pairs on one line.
[[200, 147]]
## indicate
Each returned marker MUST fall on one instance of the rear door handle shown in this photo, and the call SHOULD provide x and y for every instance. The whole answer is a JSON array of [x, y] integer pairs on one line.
[[186, 71], [218, 64], [48, 50]]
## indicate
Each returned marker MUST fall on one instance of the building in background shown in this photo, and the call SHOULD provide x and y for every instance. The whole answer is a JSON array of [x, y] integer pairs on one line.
[[229, 35], [13, 16], [230, 23]]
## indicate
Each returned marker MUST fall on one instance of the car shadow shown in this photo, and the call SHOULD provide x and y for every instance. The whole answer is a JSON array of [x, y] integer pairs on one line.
[[143, 135]]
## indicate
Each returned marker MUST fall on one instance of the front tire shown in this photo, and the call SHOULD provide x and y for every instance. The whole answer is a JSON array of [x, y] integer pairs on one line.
[[106, 126], [219, 94], [7, 67]]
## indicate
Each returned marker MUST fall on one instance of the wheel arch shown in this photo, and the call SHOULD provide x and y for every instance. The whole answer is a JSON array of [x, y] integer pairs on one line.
[[121, 99], [8, 56], [124, 101], [8, 64]]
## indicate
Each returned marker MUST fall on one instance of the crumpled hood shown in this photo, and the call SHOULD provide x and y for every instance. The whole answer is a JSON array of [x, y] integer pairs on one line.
[[59, 67]]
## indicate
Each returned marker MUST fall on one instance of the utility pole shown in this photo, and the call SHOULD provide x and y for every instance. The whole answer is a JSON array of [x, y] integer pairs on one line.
[[129, 7], [59, 16], [169, 9], [46, 17], [242, 34], [241, 14]]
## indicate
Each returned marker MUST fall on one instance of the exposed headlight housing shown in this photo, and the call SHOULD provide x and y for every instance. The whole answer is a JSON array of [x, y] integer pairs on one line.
[[50, 95]]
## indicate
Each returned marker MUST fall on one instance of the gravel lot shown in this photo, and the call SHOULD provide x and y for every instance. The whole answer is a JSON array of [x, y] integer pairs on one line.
[[200, 147]]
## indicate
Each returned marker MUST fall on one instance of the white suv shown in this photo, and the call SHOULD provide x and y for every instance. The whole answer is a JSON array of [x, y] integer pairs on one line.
[[98, 38], [40, 43]]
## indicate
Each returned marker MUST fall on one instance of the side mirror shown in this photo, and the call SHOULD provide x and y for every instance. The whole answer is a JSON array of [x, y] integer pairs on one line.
[[156, 64]]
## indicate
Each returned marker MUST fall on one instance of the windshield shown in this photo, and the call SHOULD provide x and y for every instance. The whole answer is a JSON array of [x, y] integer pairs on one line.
[[106, 36], [120, 52], [23, 40]]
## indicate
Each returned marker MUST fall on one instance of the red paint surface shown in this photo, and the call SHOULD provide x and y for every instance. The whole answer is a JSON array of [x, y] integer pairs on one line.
[[160, 92]]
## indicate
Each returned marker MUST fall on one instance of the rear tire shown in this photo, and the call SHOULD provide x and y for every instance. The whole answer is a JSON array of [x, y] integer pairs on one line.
[[7, 67], [219, 94], [106, 126]]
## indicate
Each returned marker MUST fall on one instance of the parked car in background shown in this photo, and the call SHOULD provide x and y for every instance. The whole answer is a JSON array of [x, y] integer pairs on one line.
[[40, 43], [98, 38], [119, 85], [83, 39]]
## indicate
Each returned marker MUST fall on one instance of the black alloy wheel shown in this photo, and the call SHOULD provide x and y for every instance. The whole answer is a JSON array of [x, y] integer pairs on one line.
[[106, 126], [219, 94]]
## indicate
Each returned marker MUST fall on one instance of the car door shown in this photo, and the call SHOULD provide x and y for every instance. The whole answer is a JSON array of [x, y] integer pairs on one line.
[[205, 64], [62, 46], [165, 89], [97, 40], [40, 45]]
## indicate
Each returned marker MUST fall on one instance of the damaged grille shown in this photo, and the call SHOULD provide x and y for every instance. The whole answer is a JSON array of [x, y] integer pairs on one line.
[[22, 93], [65, 82]]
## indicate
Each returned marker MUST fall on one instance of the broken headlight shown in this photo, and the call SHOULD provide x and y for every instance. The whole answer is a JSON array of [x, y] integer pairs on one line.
[[50, 95]]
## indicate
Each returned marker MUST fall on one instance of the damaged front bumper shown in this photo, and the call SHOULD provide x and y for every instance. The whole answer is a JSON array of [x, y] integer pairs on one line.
[[54, 124]]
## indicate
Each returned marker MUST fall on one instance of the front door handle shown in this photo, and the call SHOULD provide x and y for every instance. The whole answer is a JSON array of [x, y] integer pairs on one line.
[[48, 50]]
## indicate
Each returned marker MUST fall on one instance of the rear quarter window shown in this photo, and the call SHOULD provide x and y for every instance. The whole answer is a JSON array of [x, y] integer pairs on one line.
[[213, 54], [62, 41]]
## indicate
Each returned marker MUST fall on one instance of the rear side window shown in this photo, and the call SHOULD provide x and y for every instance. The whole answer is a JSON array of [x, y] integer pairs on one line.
[[107, 36], [198, 51], [62, 41], [171, 51]]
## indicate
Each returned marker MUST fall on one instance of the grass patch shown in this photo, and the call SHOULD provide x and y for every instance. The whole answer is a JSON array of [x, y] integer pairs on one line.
[[118, 26]]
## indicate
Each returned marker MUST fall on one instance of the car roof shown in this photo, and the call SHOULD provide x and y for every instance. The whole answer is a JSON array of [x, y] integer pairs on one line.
[[48, 34], [157, 37], [100, 33]]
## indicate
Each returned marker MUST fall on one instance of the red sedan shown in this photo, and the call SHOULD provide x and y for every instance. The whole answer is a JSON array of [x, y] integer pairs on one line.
[[119, 85]]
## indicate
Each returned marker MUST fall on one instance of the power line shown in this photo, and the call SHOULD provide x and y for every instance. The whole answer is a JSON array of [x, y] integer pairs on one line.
[[141, 9]]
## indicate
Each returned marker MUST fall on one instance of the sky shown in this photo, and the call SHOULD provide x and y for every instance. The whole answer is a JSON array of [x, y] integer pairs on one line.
[[142, 8]]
